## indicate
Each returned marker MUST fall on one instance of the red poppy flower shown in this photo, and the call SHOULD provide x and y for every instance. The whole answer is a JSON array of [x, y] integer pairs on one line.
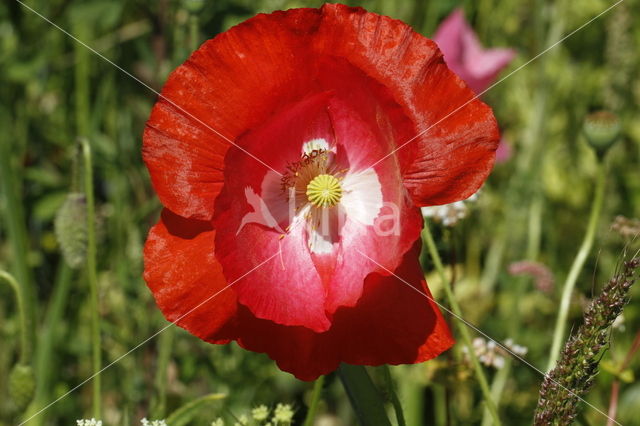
[[286, 228]]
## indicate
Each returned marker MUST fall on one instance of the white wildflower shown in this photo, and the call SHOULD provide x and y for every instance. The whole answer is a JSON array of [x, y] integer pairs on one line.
[[449, 214], [260, 413], [145, 422], [218, 422], [242, 421], [516, 349], [89, 422], [283, 413], [492, 355]]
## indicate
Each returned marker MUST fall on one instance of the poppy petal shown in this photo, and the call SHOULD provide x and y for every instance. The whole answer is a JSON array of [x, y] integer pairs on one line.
[[366, 134], [230, 84], [186, 279], [410, 66], [327, 278], [393, 323], [288, 290], [238, 79]]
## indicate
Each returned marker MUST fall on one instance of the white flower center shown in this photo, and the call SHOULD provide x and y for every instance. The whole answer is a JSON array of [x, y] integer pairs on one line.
[[317, 194]]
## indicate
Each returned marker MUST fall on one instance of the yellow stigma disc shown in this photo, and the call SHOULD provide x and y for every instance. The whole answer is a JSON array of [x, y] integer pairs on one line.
[[324, 191]]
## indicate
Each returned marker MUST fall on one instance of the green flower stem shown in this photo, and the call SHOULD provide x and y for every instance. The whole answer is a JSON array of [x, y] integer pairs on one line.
[[184, 415], [25, 344], [576, 267], [524, 187], [533, 249], [393, 396], [494, 258], [534, 233], [81, 80], [533, 152], [363, 395], [92, 275], [17, 236], [430, 18], [485, 17], [466, 338], [441, 406], [497, 387], [164, 355], [45, 351], [503, 374], [193, 32], [411, 390], [83, 128], [315, 400], [387, 7]]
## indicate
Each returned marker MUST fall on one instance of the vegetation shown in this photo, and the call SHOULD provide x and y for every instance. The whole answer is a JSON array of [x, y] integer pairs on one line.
[[71, 122]]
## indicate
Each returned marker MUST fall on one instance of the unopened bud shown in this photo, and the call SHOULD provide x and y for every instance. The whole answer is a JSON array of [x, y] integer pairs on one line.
[[22, 386], [71, 229]]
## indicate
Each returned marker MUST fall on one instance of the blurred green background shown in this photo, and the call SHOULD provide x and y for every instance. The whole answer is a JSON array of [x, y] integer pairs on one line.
[[534, 207]]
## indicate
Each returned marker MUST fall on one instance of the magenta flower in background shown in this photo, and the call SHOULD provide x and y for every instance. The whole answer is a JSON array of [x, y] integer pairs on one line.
[[464, 54]]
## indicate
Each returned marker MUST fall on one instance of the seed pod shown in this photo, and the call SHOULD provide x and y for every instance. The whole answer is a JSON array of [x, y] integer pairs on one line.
[[22, 386], [602, 130], [71, 229]]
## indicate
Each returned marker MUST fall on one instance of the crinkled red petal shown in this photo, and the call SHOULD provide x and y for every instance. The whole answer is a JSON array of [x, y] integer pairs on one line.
[[230, 84], [181, 270], [238, 79], [455, 151]]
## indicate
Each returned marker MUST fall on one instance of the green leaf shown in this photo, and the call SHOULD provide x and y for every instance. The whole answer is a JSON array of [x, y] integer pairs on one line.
[[46, 207], [45, 176], [363, 395], [102, 15], [184, 414], [627, 376], [609, 366]]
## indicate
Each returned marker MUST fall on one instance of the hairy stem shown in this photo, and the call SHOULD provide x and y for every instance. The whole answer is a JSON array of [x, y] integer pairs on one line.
[[315, 400], [164, 355], [615, 386], [45, 353], [393, 396], [92, 276], [576, 267], [17, 237], [25, 344], [363, 395], [193, 31]]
